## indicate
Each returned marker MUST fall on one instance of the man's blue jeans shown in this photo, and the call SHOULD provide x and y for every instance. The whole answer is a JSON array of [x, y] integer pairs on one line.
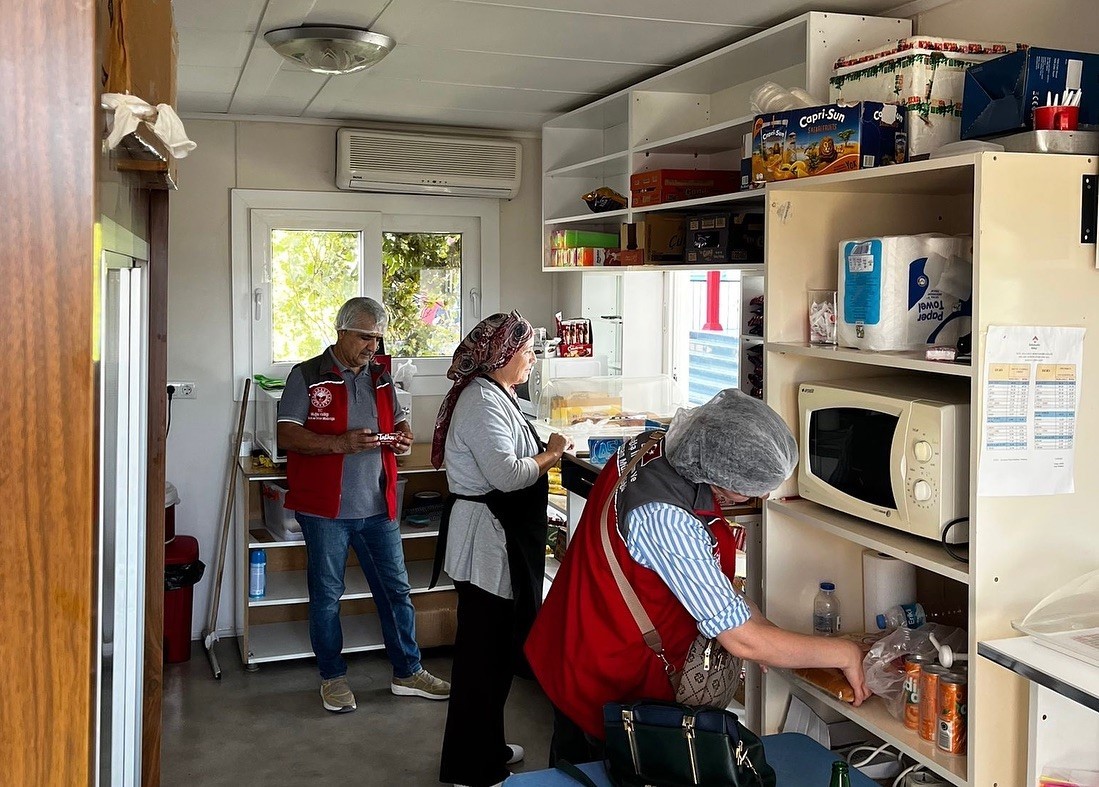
[[377, 542]]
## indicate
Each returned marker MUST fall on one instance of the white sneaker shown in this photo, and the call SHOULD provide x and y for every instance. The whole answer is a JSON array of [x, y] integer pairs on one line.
[[517, 754]]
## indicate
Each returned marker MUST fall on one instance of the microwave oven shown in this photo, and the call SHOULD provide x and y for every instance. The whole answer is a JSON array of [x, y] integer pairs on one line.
[[267, 419], [894, 451]]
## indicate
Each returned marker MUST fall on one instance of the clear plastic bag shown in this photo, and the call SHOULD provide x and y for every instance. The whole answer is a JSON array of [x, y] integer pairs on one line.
[[884, 664]]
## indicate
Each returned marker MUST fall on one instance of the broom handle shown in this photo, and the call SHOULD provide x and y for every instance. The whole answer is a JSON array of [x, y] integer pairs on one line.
[[227, 514]]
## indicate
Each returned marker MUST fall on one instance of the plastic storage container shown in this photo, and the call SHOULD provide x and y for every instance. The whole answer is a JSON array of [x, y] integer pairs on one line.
[[580, 407]]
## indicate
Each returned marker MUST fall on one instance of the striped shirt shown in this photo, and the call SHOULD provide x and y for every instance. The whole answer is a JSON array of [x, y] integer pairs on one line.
[[677, 546]]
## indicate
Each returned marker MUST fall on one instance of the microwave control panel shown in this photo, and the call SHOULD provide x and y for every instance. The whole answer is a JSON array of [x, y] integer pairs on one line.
[[923, 462]]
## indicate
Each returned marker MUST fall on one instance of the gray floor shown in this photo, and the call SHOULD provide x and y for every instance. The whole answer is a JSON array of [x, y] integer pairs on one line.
[[268, 727]]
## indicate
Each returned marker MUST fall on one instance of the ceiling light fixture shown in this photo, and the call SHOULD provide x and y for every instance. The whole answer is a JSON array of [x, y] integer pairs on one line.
[[330, 49]]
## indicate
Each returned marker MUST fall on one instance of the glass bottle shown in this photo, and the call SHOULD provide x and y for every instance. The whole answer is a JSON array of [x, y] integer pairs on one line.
[[826, 611], [841, 776]]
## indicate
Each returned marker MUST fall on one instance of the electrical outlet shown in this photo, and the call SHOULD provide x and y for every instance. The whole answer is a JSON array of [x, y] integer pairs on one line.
[[184, 390]]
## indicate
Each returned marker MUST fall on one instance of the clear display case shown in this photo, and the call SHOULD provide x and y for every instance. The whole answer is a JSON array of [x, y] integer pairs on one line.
[[583, 406], [1068, 619]]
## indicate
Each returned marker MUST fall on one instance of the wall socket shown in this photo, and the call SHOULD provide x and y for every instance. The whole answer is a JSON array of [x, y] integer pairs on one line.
[[184, 390]]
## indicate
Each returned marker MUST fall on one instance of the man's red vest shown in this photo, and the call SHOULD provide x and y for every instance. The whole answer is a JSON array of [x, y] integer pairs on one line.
[[316, 482], [585, 648]]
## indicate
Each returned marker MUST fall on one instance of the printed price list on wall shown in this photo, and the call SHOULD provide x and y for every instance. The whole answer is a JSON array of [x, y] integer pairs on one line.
[[1031, 397]]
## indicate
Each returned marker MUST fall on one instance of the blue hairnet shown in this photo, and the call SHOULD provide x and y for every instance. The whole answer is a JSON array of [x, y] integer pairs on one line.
[[735, 442]]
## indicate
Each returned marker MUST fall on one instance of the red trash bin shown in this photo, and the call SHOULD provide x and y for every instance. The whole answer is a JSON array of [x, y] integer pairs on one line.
[[178, 603]]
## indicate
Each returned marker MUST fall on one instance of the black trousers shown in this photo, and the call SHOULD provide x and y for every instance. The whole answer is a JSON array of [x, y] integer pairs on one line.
[[475, 752]]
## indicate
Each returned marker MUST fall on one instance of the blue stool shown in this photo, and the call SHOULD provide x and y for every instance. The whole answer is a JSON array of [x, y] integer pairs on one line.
[[798, 760]]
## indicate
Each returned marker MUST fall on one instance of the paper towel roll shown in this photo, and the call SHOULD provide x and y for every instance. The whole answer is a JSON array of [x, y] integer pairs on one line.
[[886, 582]]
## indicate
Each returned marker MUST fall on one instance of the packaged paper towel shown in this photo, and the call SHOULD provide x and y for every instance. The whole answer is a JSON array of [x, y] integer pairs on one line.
[[903, 292]]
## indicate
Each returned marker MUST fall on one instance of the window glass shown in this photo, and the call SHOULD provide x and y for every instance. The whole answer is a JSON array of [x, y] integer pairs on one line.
[[705, 333], [422, 293], [313, 272]]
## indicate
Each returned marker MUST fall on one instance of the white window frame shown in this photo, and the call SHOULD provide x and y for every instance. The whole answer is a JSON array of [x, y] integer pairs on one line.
[[254, 206]]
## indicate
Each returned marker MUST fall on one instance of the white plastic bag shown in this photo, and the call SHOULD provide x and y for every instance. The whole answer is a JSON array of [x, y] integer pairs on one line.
[[884, 664]]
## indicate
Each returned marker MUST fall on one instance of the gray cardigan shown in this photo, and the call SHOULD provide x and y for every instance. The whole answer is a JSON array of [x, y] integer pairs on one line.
[[488, 446]]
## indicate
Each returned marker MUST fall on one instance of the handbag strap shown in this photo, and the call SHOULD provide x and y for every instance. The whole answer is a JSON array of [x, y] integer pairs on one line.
[[569, 769], [640, 616]]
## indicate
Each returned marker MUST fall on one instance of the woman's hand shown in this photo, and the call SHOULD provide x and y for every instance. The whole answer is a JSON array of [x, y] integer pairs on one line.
[[853, 671], [558, 444]]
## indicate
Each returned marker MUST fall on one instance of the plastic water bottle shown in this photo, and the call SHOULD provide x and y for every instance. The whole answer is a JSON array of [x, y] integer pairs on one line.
[[910, 615], [257, 576], [826, 611]]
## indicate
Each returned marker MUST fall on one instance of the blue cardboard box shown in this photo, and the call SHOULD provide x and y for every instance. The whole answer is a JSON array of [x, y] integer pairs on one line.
[[1000, 95]]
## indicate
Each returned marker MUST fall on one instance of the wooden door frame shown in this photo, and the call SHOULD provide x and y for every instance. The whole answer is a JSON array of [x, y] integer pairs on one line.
[[48, 157]]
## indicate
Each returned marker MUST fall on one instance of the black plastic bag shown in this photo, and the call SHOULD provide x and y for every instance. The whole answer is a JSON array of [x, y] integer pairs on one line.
[[185, 575]]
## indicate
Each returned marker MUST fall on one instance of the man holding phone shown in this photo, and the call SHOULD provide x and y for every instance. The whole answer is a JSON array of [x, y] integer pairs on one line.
[[342, 428]]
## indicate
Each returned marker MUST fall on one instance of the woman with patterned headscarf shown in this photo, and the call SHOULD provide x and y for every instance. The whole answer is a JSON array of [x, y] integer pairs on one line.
[[492, 542]]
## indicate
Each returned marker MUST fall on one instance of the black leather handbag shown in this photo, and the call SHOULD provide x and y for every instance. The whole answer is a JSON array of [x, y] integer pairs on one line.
[[665, 744]]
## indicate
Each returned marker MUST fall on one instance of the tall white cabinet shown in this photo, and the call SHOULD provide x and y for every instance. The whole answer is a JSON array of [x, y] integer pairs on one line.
[[1030, 268]]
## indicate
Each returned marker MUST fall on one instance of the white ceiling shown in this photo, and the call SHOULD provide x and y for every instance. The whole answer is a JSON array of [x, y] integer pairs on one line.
[[505, 64]]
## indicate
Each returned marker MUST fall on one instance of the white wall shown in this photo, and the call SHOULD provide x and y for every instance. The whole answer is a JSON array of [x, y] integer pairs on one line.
[[260, 155], [1063, 24]]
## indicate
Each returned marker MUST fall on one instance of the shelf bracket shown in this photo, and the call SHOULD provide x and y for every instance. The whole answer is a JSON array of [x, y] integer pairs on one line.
[[1089, 208]]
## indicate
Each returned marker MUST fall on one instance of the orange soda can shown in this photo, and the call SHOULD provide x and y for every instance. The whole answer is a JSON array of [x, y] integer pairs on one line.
[[929, 699], [911, 689], [952, 713]]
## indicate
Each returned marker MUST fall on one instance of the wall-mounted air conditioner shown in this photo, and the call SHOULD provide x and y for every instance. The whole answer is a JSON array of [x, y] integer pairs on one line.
[[399, 163]]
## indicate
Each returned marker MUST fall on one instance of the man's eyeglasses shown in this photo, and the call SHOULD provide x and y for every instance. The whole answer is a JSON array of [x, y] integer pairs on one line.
[[366, 336]]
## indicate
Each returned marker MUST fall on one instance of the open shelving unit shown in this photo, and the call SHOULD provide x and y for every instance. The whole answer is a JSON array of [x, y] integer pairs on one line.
[[693, 116], [276, 627], [1030, 267]]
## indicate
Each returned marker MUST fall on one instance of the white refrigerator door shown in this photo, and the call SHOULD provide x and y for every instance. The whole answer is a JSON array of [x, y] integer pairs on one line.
[[123, 381]]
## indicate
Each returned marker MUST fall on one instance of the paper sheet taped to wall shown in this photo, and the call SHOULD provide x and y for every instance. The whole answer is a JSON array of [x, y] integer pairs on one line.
[[1031, 395]]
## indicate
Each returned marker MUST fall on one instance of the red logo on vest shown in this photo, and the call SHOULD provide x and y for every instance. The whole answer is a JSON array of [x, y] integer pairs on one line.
[[320, 397]]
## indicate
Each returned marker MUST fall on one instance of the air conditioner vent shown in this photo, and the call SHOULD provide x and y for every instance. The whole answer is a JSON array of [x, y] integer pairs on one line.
[[419, 163]]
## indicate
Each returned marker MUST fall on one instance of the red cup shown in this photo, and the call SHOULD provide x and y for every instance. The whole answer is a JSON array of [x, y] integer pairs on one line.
[[1057, 118]]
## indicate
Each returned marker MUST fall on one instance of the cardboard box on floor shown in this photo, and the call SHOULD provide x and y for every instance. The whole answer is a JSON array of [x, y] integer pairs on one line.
[[436, 618]]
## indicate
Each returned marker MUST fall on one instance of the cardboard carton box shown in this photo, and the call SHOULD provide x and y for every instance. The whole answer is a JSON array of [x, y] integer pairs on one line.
[[671, 185], [725, 237], [659, 235], [1000, 95], [831, 138]]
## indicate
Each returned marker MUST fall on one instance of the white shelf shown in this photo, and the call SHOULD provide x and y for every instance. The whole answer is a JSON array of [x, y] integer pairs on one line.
[[749, 196], [1059, 672], [718, 138], [591, 218], [921, 552], [944, 176], [559, 503], [290, 587], [903, 359], [552, 566], [874, 717], [603, 166], [407, 532], [290, 640], [670, 266]]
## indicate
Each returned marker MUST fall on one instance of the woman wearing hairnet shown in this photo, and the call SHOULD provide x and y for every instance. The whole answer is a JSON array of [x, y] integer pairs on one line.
[[586, 648]]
